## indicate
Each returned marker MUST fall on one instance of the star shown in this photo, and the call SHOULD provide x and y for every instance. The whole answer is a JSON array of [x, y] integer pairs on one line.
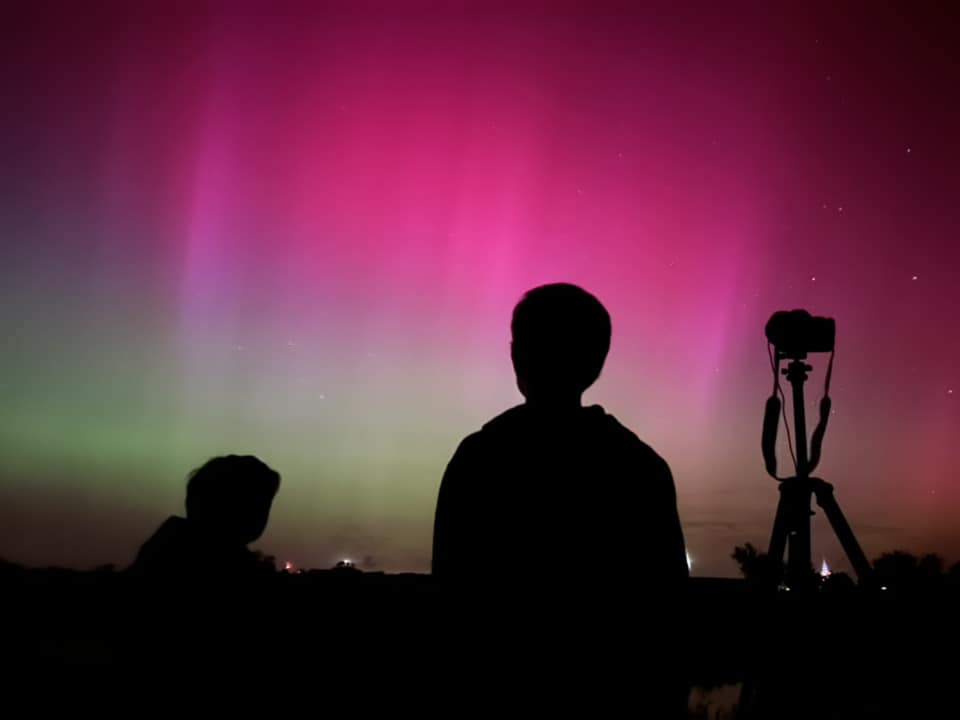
[[813, 279], [840, 209], [914, 277], [909, 150]]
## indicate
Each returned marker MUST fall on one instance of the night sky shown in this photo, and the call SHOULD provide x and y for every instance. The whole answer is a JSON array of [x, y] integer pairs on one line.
[[300, 232]]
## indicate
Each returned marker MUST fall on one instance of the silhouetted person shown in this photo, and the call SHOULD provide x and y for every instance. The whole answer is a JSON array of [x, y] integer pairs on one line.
[[228, 504], [550, 487], [559, 504]]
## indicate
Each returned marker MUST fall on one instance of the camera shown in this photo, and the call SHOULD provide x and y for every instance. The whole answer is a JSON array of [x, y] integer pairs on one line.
[[794, 333]]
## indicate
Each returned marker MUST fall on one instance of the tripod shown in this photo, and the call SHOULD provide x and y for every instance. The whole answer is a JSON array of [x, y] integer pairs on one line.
[[791, 526]]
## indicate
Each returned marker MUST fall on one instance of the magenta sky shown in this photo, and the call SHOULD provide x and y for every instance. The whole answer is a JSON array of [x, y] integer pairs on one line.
[[300, 234]]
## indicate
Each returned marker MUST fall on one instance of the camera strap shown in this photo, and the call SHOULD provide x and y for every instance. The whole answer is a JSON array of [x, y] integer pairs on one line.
[[816, 439], [771, 419]]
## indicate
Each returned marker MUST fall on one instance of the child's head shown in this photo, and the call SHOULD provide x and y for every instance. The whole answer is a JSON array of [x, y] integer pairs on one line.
[[561, 336], [230, 497]]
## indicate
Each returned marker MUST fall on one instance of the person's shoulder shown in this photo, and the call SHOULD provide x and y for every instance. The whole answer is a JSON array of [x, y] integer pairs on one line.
[[164, 544], [172, 530], [174, 524], [470, 445], [636, 450], [505, 421], [494, 429], [488, 438]]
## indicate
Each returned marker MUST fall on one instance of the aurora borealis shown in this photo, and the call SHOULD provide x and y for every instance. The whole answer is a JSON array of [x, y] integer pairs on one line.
[[297, 230]]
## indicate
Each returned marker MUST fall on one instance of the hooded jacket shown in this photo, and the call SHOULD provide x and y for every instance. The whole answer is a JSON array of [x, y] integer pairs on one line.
[[537, 497]]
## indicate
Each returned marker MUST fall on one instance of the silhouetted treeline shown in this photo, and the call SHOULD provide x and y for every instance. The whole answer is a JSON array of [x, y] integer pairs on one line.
[[897, 572]]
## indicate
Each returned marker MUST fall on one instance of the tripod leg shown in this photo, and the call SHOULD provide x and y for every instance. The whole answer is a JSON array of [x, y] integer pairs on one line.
[[781, 527], [851, 547], [791, 527], [799, 568]]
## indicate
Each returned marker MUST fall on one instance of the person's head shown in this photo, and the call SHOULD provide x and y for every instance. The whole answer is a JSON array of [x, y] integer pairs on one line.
[[230, 497], [561, 337]]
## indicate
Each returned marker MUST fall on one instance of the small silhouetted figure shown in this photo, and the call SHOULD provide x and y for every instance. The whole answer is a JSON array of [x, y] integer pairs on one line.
[[563, 513], [228, 505]]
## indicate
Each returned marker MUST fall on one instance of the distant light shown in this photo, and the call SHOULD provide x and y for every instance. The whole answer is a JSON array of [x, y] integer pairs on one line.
[[824, 569], [288, 566], [689, 562], [883, 587]]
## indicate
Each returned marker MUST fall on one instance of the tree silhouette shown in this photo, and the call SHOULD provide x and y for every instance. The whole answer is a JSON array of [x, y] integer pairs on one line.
[[930, 566], [897, 569], [761, 570], [901, 570], [953, 577], [756, 566]]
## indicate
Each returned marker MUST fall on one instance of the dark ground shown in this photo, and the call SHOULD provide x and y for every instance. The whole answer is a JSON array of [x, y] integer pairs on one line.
[[399, 641]]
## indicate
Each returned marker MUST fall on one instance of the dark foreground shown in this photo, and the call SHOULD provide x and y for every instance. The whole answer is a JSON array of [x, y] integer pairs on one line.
[[400, 643]]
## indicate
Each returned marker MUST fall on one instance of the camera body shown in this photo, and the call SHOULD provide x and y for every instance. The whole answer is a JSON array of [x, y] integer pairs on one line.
[[794, 333]]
